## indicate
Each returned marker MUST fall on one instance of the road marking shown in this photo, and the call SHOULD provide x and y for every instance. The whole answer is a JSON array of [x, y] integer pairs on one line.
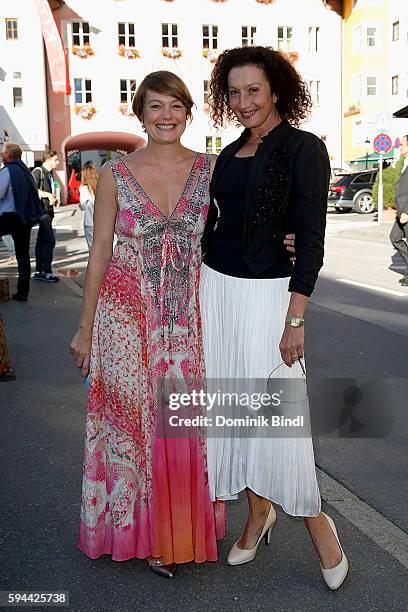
[[379, 529], [372, 287]]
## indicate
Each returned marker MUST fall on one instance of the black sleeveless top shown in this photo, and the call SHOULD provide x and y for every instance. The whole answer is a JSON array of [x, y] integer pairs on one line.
[[224, 251]]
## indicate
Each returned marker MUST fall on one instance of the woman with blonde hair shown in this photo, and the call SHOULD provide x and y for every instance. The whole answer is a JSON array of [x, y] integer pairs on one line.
[[89, 178], [144, 495]]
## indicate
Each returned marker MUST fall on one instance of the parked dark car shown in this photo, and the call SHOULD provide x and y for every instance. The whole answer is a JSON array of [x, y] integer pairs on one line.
[[353, 192]]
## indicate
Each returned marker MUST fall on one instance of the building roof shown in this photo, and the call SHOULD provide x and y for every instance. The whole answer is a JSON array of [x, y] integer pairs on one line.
[[372, 157], [402, 113]]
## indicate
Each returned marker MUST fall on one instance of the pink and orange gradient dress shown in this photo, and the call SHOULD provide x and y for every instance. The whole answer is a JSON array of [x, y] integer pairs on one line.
[[144, 495]]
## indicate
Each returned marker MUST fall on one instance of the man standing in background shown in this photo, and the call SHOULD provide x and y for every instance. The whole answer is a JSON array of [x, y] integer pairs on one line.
[[399, 232], [44, 248], [20, 209]]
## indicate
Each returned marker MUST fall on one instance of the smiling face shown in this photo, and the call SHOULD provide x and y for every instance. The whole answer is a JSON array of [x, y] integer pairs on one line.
[[250, 96], [164, 117]]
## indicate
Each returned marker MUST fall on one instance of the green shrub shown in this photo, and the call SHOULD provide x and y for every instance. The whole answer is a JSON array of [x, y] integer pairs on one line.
[[390, 178]]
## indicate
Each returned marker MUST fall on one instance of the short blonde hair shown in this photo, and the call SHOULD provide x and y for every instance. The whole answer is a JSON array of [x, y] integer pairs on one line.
[[13, 149], [166, 83]]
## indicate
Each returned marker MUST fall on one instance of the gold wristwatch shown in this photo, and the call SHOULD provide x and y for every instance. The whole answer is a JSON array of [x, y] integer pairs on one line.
[[294, 321]]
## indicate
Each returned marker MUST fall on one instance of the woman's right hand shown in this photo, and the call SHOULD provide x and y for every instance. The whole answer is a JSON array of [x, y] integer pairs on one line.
[[80, 349]]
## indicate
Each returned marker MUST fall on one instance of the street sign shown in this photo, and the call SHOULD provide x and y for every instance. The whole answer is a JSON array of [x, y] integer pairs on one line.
[[382, 143], [383, 121]]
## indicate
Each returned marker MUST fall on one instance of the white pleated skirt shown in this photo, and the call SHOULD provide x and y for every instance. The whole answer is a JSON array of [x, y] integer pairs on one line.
[[243, 321]]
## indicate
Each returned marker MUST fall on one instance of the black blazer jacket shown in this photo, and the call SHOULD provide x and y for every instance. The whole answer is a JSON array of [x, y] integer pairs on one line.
[[286, 192]]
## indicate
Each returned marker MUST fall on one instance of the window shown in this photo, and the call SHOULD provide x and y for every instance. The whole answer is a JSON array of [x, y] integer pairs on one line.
[[285, 38], [357, 39], [80, 33], [126, 34], [357, 87], [11, 29], [127, 90], [206, 91], [209, 144], [363, 86], [363, 37], [395, 30], [371, 35], [169, 35], [16, 75], [314, 87], [357, 137], [17, 97], [371, 86], [361, 178], [248, 35], [314, 38], [83, 91], [210, 37], [394, 85]]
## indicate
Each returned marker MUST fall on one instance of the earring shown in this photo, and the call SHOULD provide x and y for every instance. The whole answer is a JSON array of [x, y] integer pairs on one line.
[[275, 99]]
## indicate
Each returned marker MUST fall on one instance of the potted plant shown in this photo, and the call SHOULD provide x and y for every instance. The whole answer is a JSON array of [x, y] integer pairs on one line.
[[292, 56], [171, 52], [128, 52], [85, 111], [84, 51], [211, 54], [126, 109]]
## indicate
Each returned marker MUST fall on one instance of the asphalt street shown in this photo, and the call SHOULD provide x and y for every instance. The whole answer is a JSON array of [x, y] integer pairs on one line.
[[356, 328]]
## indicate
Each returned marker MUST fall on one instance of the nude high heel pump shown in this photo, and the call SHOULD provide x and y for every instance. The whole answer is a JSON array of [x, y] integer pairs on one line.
[[238, 556], [335, 576]]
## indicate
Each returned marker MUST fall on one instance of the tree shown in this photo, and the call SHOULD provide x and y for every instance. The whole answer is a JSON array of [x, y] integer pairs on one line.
[[390, 178]]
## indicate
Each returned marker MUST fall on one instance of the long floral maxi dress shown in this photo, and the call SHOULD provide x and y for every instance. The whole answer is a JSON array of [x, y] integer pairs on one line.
[[142, 494]]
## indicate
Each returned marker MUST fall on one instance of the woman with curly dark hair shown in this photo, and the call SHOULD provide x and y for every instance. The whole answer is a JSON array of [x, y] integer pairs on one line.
[[273, 180]]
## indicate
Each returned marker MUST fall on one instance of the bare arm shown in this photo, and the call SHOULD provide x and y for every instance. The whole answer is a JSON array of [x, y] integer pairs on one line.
[[99, 259]]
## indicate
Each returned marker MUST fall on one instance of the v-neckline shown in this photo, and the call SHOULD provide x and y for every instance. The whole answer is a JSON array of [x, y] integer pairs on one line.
[[167, 217]]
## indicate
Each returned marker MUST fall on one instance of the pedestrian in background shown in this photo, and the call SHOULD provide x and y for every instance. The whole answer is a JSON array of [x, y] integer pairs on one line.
[[45, 244], [20, 209], [399, 232], [89, 178]]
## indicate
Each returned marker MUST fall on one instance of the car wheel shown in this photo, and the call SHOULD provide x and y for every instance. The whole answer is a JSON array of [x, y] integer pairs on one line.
[[364, 203]]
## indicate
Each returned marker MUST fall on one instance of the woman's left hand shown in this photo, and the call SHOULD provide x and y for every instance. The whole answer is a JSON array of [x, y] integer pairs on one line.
[[292, 344]]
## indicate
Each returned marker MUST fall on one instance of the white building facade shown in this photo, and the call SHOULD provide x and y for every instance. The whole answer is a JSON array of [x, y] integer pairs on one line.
[[397, 65], [183, 36], [23, 94]]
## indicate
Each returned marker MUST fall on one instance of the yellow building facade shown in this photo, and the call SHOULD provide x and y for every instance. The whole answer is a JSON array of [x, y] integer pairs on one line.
[[365, 82]]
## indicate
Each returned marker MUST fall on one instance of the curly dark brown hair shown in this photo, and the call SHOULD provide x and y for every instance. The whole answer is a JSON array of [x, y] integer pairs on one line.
[[294, 101]]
